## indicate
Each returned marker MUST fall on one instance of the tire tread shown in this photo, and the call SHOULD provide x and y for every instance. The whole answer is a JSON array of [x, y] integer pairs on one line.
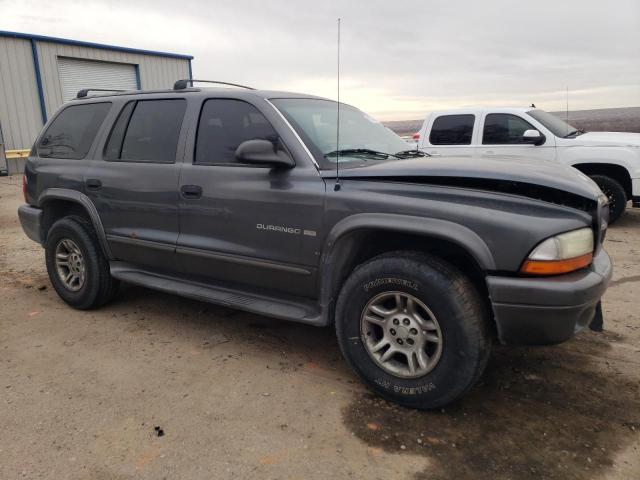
[[474, 316], [106, 285]]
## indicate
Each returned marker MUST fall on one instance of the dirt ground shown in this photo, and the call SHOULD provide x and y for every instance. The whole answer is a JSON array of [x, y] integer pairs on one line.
[[241, 396]]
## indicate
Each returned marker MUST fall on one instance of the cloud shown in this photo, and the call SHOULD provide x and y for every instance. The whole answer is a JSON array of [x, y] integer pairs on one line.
[[399, 59]]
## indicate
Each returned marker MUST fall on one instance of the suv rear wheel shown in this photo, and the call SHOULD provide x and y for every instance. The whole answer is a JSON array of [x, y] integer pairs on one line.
[[413, 327], [77, 268], [616, 194]]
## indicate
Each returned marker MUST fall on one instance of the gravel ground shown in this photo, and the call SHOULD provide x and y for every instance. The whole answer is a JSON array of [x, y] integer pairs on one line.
[[155, 386]]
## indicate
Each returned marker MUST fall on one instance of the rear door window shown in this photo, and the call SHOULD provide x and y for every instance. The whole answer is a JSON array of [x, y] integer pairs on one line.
[[147, 131], [452, 130], [226, 123], [504, 129], [72, 132]]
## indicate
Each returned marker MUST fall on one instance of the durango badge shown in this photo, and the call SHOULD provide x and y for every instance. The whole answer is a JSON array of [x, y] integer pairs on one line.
[[279, 228]]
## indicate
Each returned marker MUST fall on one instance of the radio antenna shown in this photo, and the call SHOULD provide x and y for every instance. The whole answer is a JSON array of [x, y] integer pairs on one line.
[[567, 109], [337, 185]]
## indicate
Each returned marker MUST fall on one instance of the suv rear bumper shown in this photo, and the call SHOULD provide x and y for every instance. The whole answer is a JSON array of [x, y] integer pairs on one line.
[[540, 311], [31, 221]]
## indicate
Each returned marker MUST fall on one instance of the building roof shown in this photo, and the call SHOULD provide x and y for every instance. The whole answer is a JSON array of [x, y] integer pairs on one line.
[[78, 43]]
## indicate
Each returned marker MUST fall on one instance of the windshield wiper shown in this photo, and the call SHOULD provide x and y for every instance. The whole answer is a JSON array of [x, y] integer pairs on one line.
[[575, 132], [359, 152], [411, 153]]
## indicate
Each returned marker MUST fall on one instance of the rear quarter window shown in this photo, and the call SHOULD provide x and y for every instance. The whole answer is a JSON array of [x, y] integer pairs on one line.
[[73, 131]]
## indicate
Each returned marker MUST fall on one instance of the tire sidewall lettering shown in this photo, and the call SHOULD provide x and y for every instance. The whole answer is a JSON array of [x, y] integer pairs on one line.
[[395, 281]]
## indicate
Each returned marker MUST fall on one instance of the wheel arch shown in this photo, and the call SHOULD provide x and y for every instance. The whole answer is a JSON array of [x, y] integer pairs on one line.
[[361, 237], [617, 172], [57, 203]]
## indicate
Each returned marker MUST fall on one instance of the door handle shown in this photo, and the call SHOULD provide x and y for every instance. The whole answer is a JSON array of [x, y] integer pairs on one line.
[[93, 184], [191, 191]]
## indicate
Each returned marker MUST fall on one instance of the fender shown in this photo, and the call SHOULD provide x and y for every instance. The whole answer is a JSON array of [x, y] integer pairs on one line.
[[601, 161], [81, 199], [625, 157], [432, 227]]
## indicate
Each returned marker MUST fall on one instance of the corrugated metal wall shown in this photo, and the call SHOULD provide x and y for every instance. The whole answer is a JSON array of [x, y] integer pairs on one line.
[[20, 116]]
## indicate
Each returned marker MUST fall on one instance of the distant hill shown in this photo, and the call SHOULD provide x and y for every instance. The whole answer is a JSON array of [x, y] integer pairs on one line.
[[603, 120]]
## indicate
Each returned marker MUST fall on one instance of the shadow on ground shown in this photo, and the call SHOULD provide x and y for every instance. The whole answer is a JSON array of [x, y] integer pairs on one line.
[[546, 412], [282, 345]]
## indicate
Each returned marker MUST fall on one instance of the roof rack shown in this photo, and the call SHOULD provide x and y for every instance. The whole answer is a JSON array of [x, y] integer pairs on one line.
[[84, 92], [182, 84]]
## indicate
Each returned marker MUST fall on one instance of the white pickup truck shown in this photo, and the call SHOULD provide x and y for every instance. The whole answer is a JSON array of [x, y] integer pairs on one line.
[[611, 159]]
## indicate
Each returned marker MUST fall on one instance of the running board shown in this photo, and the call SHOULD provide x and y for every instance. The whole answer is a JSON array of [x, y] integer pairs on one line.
[[293, 309]]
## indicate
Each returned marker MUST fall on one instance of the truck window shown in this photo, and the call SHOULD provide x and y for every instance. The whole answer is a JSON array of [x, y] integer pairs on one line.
[[504, 129], [72, 132], [147, 131], [224, 124], [452, 130]]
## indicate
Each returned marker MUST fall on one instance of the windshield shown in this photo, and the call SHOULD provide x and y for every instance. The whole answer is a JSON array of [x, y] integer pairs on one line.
[[362, 139], [558, 127]]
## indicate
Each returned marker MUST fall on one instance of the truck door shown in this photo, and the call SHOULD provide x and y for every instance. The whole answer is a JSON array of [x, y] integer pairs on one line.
[[255, 226], [133, 180], [501, 134], [450, 135]]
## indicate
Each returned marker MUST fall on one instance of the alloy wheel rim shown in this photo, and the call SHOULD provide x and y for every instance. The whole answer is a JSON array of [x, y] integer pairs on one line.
[[401, 335], [70, 264]]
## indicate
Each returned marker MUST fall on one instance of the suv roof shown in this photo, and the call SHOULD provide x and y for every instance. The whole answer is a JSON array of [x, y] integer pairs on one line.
[[204, 91]]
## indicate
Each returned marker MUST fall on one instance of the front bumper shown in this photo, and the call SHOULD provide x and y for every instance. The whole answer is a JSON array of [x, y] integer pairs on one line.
[[31, 221], [541, 311]]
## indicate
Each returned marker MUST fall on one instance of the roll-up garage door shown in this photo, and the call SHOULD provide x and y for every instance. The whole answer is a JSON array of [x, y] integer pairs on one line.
[[76, 74]]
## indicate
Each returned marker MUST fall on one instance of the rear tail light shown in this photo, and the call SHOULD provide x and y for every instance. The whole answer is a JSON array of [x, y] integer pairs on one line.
[[416, 136], [24, 187]]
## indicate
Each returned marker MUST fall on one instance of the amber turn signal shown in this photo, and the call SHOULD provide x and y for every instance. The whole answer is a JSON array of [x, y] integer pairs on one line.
[[556, 267]]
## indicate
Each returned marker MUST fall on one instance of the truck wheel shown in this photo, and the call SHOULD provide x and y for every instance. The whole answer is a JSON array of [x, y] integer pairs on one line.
[[77, 268], [413, 328], [617, 196]]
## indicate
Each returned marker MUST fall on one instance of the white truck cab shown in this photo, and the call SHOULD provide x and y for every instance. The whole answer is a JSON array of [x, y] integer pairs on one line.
[[611, 159]]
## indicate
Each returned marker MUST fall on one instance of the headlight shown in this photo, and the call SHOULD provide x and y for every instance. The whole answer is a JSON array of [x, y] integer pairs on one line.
[[561, 254]]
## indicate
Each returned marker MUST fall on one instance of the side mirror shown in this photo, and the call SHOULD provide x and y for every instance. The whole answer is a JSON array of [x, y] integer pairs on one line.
[[262, 152], [534, 137]]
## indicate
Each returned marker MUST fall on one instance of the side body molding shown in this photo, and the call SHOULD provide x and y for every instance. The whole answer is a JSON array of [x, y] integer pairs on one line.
[[84, 201], [431, 227]]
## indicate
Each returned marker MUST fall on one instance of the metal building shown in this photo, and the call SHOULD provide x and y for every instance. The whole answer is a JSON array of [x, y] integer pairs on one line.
[[38, 74]]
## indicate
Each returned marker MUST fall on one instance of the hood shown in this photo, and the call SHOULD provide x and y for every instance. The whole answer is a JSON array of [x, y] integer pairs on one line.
[[608, 139], [507, 169]]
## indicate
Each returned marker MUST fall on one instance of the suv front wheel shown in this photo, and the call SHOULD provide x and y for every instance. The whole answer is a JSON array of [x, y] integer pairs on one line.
[[77, 268], [414, 328]]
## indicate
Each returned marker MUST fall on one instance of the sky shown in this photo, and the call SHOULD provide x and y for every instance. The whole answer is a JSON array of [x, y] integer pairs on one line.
[[399, 59]]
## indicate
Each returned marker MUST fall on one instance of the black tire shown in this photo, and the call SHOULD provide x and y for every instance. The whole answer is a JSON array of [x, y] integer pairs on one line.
[[452, 299], [98, 287], [616, 194]]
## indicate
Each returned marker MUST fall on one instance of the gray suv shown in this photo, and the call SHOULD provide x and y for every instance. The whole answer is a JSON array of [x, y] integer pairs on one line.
[[233, 196]]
